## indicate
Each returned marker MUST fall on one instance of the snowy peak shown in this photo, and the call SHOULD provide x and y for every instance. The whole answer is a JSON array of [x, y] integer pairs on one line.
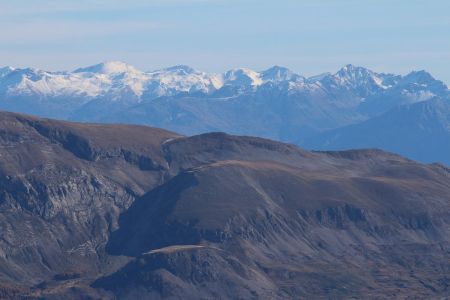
[[181, 79], [111, 67], [351, 71], [33, 82], [422, 78], [422, 82], [279, 74], [242, 77], [247, 77], [421, 86], [357, 75], [362, 81]]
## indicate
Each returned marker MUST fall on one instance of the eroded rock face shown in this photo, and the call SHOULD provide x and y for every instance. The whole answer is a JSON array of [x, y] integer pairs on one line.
[[63, 187], [115, 211]]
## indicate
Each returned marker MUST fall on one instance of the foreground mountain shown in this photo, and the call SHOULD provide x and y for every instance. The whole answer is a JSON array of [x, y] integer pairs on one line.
[[275, 103], [130, 212]]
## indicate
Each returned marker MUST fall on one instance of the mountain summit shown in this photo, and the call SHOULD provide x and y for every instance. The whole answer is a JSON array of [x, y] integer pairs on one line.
[[110, 67]]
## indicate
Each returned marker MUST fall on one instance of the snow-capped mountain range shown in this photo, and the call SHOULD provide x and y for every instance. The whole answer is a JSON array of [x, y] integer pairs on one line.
[[121, 81], [276, 103]]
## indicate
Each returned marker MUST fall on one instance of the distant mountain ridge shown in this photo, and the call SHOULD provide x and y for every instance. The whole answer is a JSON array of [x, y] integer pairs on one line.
[[117, 79], [276, 103], [422, 130]]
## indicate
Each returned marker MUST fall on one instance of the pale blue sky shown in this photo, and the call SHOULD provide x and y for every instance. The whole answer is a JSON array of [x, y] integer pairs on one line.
[[310, 37]]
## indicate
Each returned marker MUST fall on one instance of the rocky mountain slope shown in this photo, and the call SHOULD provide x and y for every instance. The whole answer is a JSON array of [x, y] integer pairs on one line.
[[275, 103], [131, 212]]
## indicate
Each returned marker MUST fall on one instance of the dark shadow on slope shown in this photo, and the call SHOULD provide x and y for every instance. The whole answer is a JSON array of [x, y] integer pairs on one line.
[[146, 225]]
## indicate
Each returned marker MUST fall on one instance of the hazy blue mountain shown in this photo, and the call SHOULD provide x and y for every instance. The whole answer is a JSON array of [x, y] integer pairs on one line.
[[420, 131], [276, 103]]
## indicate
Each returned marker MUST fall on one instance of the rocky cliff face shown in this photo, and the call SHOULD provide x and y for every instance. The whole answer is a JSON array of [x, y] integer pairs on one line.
[[63, 187], [115, 211]]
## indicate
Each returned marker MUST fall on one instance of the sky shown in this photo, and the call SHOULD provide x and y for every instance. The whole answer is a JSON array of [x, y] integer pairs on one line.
[[309, 37]]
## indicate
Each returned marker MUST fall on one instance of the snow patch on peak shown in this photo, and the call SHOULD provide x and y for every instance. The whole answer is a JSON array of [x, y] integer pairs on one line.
[[279, 74], [107, 68], [181, 79], [352, 72], [243, 77], [423, 85], [361, 77]]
